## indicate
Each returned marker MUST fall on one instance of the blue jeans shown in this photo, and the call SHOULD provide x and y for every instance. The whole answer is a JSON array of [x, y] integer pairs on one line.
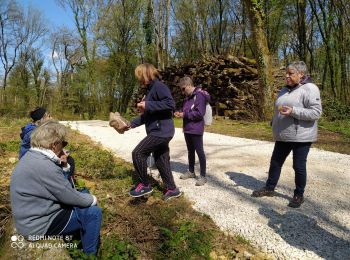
[[70, 175], [88, 222], [279, 155]]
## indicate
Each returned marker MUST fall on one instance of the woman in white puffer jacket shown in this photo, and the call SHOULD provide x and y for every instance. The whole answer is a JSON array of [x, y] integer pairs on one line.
[[294, 125]]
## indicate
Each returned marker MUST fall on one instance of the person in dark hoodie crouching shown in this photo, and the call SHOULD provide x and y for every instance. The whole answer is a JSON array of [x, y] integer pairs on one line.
[[39, 116], [294, 126], [43, 201], [193, 127], [157, 115]]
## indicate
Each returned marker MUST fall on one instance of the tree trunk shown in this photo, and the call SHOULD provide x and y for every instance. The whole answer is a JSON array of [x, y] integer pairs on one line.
[[301, 11], [256, 17], [220, 33], [166, 33], [160, 36], [343, 54]]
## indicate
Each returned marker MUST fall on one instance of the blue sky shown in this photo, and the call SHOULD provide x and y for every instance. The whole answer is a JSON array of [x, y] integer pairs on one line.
[[55, 16], [52, 12]]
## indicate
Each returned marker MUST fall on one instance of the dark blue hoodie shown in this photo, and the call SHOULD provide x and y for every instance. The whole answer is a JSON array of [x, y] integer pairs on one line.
[[25, 136], [158, 114]]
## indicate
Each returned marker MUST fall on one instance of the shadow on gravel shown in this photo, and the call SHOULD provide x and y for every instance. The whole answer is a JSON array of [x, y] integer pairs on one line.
[[303, 232], [333, 247], [298, 229], [249, 182], [178, 166]]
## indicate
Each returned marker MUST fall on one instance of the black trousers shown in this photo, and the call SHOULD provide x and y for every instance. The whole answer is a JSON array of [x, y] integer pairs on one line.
[[159, 146], [279, 155]]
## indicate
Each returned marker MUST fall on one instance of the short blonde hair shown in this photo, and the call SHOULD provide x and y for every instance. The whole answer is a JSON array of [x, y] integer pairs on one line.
[[47, 134], [146, 72]]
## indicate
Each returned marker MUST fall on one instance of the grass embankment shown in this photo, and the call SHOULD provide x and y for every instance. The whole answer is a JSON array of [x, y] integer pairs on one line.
[[132, 229], [332, 136]]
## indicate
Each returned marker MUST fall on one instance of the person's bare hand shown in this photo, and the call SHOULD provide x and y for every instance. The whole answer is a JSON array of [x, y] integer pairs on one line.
[[286, 110], [178, 114], [125, 128], [63, 157], [141, 106]]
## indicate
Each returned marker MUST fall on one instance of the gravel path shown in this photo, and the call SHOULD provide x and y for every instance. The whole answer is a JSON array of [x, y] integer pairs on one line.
[[237, 166]]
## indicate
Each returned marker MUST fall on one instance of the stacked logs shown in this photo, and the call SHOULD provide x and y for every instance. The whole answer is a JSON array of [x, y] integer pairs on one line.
[[231, 81]]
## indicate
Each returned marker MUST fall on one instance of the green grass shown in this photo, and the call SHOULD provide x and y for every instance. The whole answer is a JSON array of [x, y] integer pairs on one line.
[[339, 126], [10, 146], [185, 241], [242, 239]]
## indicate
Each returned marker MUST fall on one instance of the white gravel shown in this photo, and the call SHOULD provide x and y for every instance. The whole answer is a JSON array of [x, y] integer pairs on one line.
[[320, 229]]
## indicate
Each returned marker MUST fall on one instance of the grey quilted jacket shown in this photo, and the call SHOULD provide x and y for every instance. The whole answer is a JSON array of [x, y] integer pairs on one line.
[[301, 124], [39, 192]]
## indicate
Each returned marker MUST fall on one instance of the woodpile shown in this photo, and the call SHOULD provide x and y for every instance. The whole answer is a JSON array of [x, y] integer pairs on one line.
[[231, 81]]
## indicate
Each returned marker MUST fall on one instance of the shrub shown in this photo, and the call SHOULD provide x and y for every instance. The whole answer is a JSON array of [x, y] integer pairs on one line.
[[335, 110]]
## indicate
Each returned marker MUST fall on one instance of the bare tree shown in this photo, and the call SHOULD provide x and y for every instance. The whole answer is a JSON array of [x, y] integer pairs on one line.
[[44, 86], [19, 30], [159, 32], [84, 14], [66, 54], [35, 63], [202, 14]]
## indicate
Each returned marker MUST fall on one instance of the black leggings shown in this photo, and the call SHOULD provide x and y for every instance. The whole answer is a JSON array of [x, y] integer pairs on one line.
[[195, 144], [159, 146]]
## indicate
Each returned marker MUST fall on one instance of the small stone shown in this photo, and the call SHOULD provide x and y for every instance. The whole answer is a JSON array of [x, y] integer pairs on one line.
[[150, 200], [213, 255], [247, 255], [12, 160]]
